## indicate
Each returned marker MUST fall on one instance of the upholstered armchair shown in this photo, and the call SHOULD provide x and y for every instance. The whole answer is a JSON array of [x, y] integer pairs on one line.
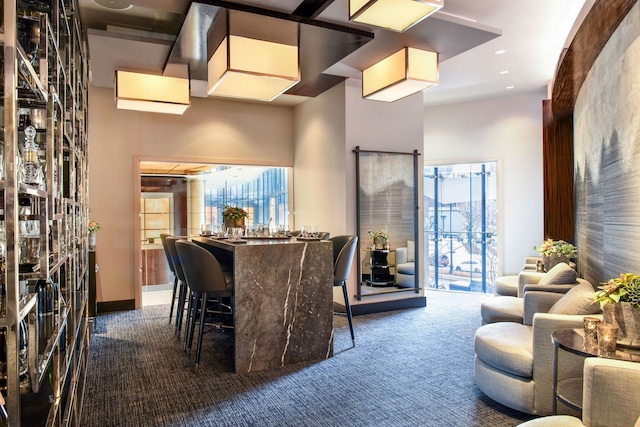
[[508, 285], [405, 265], [514, 362], [501, 308], [610, 397]]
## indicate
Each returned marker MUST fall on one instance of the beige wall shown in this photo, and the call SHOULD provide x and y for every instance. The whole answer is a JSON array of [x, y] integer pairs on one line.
[[210, 131]]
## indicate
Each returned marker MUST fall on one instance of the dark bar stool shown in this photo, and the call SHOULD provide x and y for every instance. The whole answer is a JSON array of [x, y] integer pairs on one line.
[[344, 249], [182, 282], [206, 280], [163, 238]]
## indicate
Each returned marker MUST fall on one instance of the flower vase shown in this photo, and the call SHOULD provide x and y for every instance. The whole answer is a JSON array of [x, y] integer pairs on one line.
[[627, 319], [551, 261], [92, 240], [379, 242], [234, 223]]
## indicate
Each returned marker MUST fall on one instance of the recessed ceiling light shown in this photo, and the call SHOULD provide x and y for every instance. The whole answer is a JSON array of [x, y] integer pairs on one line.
[[504, 72], [510, 87], [500, 52], [114, 4]]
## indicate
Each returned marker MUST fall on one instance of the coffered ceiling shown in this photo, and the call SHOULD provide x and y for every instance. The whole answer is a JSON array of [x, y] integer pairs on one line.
[[147, 35]]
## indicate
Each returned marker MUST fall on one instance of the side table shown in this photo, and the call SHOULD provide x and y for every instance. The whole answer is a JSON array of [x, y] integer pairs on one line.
[[380, 268], [569, 391]]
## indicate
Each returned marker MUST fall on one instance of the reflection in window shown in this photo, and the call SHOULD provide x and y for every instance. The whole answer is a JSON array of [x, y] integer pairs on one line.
[[156, 216], [262, 191], [461, 226]]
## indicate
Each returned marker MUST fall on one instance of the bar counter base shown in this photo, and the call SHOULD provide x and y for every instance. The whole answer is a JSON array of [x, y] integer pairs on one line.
[[283, 301]]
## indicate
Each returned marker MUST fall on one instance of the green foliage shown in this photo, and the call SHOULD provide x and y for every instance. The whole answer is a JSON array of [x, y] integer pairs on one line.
[[625, 288], [234, 213], [557, 247]]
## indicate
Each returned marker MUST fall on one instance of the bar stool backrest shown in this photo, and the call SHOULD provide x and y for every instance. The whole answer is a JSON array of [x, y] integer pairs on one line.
[[344, 249], [163, 238], [202, 269], [175, 259]]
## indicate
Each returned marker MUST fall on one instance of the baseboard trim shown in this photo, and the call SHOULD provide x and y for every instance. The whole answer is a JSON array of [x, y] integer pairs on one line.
[[379, 307], [113, 306]]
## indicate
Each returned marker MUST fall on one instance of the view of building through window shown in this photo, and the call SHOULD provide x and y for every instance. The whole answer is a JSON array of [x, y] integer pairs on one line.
[[262, 191], [461, 226]]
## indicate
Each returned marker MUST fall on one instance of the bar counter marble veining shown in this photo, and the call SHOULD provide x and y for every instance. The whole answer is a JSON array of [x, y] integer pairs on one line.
[[283, 300]]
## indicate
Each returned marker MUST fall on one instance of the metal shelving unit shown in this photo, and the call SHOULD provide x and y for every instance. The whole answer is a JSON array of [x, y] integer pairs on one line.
[[43, 316]]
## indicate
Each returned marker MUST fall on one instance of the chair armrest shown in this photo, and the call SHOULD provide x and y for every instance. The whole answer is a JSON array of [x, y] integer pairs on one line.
[[569, 365], [527, 278], [560, 289], [401, 256], [532, 260], [537, 302], [611, 395]]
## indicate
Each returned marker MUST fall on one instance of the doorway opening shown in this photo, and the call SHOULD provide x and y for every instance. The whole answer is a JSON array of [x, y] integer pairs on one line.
[[180, 198], [461, 226]]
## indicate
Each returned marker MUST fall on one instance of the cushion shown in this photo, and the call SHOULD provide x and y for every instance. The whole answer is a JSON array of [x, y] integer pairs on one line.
[[411, 251], [579, 300], [407, 268], [507, 347], [560, 274], [502, 309], [506, 285]]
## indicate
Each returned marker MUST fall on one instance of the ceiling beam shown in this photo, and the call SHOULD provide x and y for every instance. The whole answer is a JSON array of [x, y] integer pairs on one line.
[[311, 8]]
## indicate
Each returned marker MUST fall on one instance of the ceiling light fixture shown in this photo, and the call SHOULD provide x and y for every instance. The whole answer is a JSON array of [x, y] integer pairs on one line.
[[504, 72], [151, 93], [400, 74], [500, 51], [250, 59], [396, 15]]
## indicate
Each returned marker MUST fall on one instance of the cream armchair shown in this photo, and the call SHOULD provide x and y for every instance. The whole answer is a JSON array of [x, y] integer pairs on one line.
[[405, 266], [610, 397], [514, 362]]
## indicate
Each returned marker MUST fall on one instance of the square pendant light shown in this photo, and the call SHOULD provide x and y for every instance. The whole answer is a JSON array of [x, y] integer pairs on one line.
[[151, 93], [401, 74], [396, 15], [254, 57]]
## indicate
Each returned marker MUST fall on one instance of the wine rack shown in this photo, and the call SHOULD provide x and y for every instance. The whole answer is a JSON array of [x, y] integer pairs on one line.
[[44, 336]]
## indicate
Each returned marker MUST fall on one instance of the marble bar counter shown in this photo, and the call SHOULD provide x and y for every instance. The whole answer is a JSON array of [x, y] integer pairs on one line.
[[283, 299]]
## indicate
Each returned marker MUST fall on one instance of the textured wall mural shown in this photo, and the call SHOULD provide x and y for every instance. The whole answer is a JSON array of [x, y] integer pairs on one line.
[[607, 158]]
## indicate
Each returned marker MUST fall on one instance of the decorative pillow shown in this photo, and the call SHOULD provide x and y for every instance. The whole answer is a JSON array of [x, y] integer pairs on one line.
[[411, 251], [579, 300], [560, 274]]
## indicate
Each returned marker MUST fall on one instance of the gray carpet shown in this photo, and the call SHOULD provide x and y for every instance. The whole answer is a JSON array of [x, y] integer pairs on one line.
[[409, 368]]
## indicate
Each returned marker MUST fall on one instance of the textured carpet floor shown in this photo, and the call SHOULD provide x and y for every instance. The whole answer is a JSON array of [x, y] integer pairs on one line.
[[408, 368]]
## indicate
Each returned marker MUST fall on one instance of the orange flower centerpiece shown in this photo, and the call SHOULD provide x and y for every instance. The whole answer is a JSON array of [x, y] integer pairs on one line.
[[93, 227]]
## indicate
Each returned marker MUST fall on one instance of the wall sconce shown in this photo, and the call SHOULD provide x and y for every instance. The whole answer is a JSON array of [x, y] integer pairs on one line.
[[254, 56], [396, 15], [401, 74], [152, 93]]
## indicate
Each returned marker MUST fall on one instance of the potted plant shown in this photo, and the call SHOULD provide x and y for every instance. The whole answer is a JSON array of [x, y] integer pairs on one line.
[[556, 251], [234, 216], [93, 227], [380, 238], [619, 299]]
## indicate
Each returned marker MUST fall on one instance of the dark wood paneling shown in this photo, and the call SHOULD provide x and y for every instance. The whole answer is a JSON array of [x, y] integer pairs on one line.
[[602, 20], [113, 306], [155, 270], [558, 176]]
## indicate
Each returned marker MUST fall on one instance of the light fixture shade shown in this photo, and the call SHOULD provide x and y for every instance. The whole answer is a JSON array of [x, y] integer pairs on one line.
[[396, 15], [152, 93], [251, 61], [401, 74]]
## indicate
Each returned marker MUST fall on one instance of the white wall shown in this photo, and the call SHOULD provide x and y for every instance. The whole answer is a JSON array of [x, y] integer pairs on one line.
[[211, 131], [507, 130]]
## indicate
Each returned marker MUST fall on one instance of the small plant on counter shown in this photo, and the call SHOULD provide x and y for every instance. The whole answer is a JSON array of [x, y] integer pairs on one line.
[[234, 213], [552, 247]]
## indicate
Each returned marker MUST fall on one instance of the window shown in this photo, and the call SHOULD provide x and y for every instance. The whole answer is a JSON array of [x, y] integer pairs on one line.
[[461, 226]]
